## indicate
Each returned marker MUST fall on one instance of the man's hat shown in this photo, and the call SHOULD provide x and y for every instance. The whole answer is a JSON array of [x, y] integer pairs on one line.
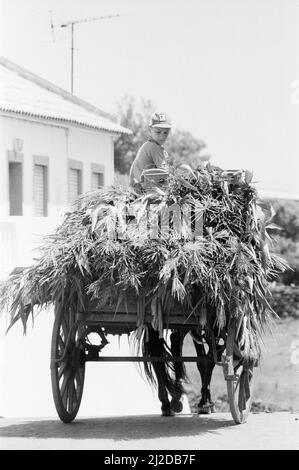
[[160, 120]]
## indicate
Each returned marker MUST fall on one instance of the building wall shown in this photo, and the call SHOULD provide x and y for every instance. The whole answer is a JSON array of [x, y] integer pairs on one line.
[[20, 234], [59, 144]]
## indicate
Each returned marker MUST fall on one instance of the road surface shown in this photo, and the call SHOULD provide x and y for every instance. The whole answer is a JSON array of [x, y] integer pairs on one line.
[[217, 431]]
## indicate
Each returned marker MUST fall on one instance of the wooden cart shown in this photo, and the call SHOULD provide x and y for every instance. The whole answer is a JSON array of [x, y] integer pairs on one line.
[[71, 349]]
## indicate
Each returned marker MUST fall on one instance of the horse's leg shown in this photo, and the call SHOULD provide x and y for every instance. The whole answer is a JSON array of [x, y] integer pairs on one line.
[[205, 367], [176, 345], [162, 390], [155, 348]]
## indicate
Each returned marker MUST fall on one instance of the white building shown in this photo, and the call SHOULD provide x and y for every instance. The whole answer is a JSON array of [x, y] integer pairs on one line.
[[53, 147]]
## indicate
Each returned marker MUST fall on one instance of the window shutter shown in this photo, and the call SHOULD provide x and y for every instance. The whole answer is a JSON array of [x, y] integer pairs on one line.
[[39, 185], [74, 184], [15, 188], [97, 181]]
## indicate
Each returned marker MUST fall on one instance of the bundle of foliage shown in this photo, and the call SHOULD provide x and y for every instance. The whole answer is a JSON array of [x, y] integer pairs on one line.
[[224, 272]]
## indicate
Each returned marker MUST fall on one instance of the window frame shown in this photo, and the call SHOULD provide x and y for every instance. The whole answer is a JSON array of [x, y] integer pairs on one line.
[[42, 161], [74, 165], [97, 168], [15, 157]]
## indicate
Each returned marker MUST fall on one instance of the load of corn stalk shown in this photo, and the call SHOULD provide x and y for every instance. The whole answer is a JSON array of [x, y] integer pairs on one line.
[[212, 256]]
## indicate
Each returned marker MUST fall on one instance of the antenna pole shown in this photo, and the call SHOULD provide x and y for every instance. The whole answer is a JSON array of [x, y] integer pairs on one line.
[[72, 24], [72, 59], [52, 25]]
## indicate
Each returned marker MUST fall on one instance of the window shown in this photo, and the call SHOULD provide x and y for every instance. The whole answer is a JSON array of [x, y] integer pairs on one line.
[[74, 180], [40, 186], [15, 182], [40, 191], [15, 188], [97, 176], [97, 180], [74, 184]]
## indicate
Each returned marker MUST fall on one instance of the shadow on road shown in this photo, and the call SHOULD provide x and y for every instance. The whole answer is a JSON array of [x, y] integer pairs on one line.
[[117, 428]]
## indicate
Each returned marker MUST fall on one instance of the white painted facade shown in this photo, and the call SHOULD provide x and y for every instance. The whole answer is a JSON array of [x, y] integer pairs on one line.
[[20, 234], [59, 144], [54, 146]]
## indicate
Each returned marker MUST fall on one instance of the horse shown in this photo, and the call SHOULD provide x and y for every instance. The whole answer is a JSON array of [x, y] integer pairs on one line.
[[168, 377]]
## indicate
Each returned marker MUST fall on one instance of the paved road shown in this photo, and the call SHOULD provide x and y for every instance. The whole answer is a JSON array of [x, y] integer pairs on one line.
[[187, 431]]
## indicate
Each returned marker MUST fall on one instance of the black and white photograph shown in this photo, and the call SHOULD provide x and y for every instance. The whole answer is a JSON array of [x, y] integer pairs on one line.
[[149, 227]]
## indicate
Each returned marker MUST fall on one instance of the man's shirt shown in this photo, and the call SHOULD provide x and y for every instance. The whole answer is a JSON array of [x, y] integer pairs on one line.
[[150, 155]]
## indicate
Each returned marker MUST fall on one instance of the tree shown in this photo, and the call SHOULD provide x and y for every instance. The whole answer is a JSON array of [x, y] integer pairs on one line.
[[287, 217], [181, 145], [184, 148], [136, 117], [287, 239]]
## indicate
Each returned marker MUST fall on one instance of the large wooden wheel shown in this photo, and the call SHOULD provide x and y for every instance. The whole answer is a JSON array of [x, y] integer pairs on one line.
[[67, 366], [239, 380], [239, 392]]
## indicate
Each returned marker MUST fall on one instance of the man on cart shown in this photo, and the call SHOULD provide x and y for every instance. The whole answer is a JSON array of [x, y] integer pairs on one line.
[[151, 162]]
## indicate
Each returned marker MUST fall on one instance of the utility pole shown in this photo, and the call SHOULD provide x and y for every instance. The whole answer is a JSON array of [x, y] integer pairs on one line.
[[72, 59], [72, 24]]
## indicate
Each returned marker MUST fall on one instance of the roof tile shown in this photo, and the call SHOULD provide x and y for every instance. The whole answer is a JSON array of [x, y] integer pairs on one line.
[[21, 95]]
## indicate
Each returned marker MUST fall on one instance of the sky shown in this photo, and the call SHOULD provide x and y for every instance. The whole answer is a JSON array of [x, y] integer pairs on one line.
[[226, 70]]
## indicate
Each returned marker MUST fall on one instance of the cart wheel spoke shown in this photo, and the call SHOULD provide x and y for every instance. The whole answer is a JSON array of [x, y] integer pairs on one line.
[[61, 369], [64, 326], [75, 398], [61, 344], [66, 379], [78, 377], [237, 383], [70, 397]]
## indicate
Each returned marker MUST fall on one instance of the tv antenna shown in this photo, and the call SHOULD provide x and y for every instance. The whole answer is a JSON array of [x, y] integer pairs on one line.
[[72, 24]]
